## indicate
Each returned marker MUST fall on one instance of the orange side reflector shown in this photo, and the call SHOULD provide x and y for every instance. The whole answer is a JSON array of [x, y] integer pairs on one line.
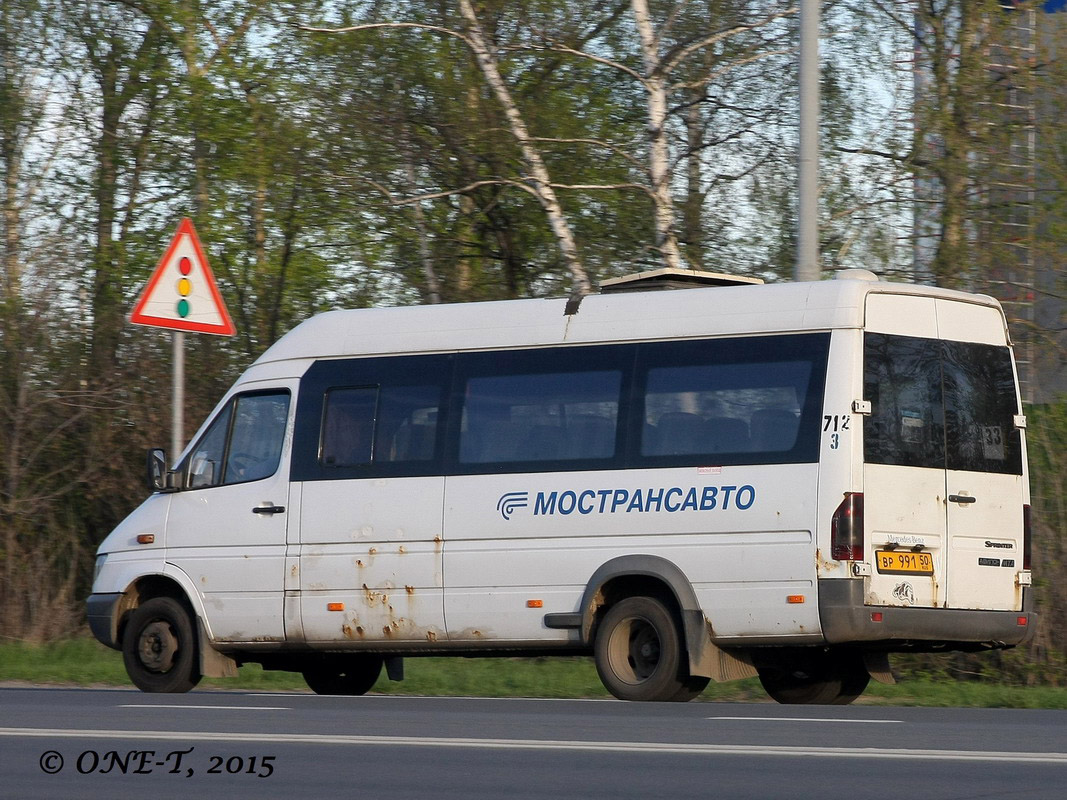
[[335, 606], [146, 538], [795, 598], [535, 603]]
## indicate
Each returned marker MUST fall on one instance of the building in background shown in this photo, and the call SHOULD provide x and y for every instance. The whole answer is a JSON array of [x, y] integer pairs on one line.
[[1021, 266]]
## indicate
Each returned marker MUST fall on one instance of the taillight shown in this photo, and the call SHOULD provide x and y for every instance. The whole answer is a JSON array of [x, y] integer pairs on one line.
[[1027, 529], [846, 529]]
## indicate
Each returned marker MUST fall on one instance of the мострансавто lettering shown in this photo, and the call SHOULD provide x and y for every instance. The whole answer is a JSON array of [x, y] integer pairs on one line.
[[616, 501]]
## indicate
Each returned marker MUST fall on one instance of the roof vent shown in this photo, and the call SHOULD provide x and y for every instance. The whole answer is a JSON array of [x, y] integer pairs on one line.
[[660, 279], [856, 275]]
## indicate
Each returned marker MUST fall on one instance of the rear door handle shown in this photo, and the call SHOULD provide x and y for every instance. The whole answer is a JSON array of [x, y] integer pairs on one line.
[[268, 510], [962, 498]]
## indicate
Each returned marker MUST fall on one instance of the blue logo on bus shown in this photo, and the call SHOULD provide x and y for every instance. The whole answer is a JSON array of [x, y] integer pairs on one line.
[[507, 503], [628, 501]]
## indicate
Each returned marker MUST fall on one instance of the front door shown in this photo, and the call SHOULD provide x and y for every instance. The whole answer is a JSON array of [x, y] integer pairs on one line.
[[227, 525]]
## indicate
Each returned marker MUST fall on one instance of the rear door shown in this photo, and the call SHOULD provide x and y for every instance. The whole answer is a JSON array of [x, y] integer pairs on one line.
[[904, 471], [984, 478], [943, 479]]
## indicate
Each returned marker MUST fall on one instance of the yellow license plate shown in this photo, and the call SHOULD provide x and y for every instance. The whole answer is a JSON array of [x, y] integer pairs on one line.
[[904, 562]]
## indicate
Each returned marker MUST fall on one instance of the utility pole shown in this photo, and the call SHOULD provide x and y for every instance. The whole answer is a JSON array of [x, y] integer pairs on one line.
[[808, 265]]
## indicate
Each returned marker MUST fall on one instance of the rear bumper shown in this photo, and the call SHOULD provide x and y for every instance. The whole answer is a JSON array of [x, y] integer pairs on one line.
[[845, 619], [101, 612]]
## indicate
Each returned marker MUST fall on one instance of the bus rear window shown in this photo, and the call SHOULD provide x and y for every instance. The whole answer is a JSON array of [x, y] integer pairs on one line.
[[980, 406], [940, 404]]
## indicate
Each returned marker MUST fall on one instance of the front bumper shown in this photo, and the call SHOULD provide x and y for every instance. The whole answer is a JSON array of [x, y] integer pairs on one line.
[[102, 618]]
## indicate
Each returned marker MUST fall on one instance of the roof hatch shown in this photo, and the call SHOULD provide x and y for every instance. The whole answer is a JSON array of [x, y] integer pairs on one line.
[[667, 278]]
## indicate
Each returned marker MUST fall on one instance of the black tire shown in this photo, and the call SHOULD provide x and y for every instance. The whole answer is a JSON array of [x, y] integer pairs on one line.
[[799, 686], [823, 678], [159, 647], [639, 656], [693, 686], [354, 675], [854, 679]]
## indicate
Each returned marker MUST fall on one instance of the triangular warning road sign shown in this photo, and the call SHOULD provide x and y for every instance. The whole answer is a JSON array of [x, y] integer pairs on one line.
[[182, 294]]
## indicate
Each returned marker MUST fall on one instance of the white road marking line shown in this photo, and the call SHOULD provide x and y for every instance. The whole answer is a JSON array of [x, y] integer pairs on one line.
[[226, 708], [539, 744], [463, 698], [811, 719]]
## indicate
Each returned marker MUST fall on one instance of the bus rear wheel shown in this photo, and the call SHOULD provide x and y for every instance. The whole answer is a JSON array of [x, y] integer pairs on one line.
[[816, 678], [854, 679], [354, 675], [639, 655]]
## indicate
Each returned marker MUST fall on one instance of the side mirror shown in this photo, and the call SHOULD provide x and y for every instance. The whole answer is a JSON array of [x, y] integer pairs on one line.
[[159, 478]]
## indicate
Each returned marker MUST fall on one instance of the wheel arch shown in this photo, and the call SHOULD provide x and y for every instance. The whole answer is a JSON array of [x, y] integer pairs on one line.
[[655, 576], [175, 584], [627, 576], [142, 589]]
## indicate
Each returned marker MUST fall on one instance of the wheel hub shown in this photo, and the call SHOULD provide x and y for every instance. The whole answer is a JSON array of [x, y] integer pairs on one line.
[[644, 649], [157, 647]]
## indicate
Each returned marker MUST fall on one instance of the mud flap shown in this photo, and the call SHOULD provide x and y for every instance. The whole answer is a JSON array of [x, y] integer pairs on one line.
[[213, 664], [877, 664], [706, 658], [394, 667]]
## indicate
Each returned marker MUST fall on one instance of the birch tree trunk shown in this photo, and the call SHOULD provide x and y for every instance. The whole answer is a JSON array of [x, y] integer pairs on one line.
[[655, 82], [539, 179]]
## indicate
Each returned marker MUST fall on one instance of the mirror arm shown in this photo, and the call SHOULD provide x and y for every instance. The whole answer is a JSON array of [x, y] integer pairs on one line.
[[159, 478]]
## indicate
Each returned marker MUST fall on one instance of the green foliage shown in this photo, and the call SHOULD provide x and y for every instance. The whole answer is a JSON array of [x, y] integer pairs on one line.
[[85, 662], [328, 170]]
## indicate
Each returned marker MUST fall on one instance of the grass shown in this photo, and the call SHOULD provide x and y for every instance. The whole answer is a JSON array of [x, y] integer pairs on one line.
[[86, 662]]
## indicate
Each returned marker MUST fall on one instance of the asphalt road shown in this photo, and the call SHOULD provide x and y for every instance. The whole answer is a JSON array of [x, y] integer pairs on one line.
[[83, 743]]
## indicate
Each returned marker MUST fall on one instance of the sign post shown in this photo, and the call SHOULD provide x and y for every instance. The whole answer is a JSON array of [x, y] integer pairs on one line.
[[182, 295], [177, 395]]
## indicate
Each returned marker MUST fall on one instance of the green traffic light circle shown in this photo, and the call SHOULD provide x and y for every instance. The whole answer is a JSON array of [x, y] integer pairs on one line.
[[183, 308]]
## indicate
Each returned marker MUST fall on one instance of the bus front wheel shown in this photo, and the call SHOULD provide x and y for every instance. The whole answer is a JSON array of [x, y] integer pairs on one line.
[[159, 647]]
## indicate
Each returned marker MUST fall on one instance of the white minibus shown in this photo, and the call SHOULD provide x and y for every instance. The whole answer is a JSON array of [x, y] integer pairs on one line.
[[788, 481]]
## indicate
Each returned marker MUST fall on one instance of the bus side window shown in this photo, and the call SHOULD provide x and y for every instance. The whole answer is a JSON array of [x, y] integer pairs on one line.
[[540, 417], [748, 409], [244, 443], [348, 426], [257, 437], [373, 424], [205, 462], [406, 428]]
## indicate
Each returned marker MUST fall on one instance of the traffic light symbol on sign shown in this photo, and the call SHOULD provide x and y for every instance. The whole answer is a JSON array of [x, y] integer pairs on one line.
[[182, 293], [185, 286]]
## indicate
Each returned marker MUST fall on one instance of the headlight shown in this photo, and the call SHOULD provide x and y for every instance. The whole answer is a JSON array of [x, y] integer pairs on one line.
[[99, 566]]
